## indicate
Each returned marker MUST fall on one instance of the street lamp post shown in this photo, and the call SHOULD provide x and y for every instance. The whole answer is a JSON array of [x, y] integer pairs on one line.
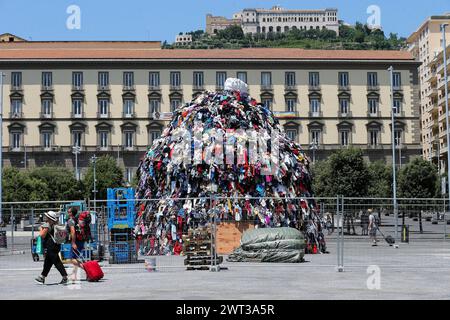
[[76, 151], [94, 161], [394, 182], [444, 48]]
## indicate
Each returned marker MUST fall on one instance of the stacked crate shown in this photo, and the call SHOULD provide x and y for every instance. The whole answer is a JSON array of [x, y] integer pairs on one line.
[[199, 249]]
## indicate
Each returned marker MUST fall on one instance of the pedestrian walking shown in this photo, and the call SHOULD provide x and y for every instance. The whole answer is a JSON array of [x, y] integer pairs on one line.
[[373, 228], [51, 249], [364, 223]]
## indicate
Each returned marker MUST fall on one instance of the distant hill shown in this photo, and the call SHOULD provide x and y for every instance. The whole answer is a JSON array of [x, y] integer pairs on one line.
[[358, 37]]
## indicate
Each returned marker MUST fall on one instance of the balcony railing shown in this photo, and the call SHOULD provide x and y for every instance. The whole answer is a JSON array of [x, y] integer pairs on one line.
[[129, 148], [288, 87], [175, 88], [101, 115], [46, 115], [16, 88], [373, 87], [46, 88], [266, 87], [128, 115], [314, 87], [77, 88], [77, 115], [397, 88], [344, 88], [198, 87], [16, 115], [129, 88], [347, 114], [315, 114], [107, 148], [374, 114], [103, 88], [154, 88], [400, 114]]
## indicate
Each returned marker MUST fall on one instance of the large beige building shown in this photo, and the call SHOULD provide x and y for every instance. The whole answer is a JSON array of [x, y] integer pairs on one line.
[[425, 44], [116, 97]]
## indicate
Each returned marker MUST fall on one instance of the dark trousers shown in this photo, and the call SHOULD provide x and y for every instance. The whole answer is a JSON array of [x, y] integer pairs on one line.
[[52, 258]]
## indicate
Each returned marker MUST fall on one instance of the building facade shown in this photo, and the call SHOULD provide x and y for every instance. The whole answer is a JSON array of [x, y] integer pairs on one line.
[[183, 39], [116, 98], [279, 20], [425, 44], [216, 23], [437, 84], [276, 20]]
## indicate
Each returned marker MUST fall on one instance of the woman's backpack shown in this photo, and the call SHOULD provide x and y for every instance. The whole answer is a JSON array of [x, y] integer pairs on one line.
[[60, 234], [83, 226]]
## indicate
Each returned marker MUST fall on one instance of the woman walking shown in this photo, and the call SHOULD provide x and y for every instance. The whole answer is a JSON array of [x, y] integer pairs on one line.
[[51, 249]]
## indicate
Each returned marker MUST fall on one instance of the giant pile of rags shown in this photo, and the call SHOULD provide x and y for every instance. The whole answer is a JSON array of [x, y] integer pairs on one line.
[[176, 195]]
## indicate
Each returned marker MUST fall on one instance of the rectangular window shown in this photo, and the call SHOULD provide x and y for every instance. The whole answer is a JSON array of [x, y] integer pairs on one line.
[[315, 137], [47, 107], [373, 136], [198, 79], [154, 135], [242, 75], [292, 134], [103, 107], [128, 107], [344, 135], [174, 104], [16, 107], [290, 79], [397, 80], [16, 79], [175, 79], [77, 107], [128, 79], [372, 79], [76, 138], [267, 102], [266, 79], [77, 79], [16, 140], [154, 106], [220, 79], [103, 139], [397, 106], [373, 106], [343, 79], [129, 139], [153, 79], [398, 138], [314, 80], [103, 79], [46, 140], [314, 106], [47, 80], [291, 104], [344, 106]]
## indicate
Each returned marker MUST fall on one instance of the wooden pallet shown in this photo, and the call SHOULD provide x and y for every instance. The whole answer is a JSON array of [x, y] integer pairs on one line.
[[229, 235], [197, 253], [203, 260]]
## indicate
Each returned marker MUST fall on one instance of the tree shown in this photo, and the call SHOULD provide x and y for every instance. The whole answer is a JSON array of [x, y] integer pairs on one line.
[[417, 179], [344, 173], [108, 175], [231, 32], [380, 184], [60, 184], [15, 185]]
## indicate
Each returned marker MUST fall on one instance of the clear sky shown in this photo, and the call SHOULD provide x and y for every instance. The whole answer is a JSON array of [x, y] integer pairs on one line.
[[163, 19]]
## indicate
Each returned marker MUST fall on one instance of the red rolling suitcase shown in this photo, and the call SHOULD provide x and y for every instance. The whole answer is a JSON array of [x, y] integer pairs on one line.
[[92, 268]]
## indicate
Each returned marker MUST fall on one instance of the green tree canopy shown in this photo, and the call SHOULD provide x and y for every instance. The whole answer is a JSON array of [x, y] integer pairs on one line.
[[344, 173], [417, 179], [108, 175], [380, 184]]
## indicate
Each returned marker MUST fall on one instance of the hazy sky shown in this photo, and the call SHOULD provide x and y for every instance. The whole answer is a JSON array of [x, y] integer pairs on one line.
[[162, 20]]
